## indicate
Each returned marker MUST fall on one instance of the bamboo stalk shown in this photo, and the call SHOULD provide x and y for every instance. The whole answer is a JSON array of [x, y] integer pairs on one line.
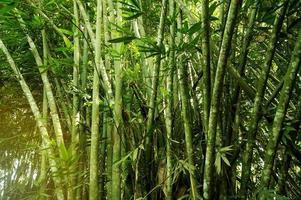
[[285, 95], [72, 192], [40, 122], [207, 59], [51, 100], [251, 135], [118, 106], [169, 102], [218, 83], [93, 181]]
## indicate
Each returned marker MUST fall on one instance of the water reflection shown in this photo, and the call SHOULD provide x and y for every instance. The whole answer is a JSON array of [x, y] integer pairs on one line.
[[18, 144]]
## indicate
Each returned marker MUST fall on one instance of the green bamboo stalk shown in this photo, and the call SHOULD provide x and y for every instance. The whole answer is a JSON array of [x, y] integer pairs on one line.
[[75, 81], [255, 116], [287, 157], [221, 14], [206, 57], [147, 64], [273, 95], [50, 97], [248, 37], [102, 153], [107, 125], [153, 100], [62, 103], [155, 83], [236, 75], [40, 123], [45, 62], [182, 5], [118, 106], [245, 49], [186, 109], [217, 89], [235, 101], [102, 69], [84, 110], [109, 158], [43, 167], [86, 20], [93, 182], [187, 126], [75, 106], [285, 94], [169, 102], [107, 33]]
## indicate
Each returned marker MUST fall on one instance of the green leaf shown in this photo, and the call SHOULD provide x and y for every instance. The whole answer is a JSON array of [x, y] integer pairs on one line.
[[147, 45], [213, 7], [65, 31], [226, 149], [194, 28], [213, 18], [221, 156], [135, 3], [187, 166], [225, 159], [126, 39], [135, 16], [131, 9], [132, 154], [7, 5], [67, 42], [37, 21]]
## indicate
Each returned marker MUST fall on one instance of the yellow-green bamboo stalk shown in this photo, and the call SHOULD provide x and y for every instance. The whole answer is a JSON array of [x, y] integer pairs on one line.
[[40, 123], [75, 106], [43, 168], [102, 70], [186, 109], [93, 182], [50, 97], [155, 83], [118, 105]]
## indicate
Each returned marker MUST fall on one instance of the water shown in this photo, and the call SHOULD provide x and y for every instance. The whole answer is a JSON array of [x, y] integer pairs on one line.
[[19, 144]]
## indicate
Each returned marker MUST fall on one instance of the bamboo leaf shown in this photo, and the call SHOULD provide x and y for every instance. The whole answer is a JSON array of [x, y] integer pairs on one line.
[[194, 28], [213, 7], [65, 31], [7, 5], [225, 159], [126, 39], [67, 42], [187, 166], [134, 16], [226, 149]]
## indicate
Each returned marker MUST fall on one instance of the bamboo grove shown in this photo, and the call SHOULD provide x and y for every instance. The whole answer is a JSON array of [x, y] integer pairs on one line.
[[145, 99]]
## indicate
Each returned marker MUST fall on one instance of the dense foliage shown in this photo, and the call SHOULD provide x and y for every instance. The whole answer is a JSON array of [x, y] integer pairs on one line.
[[149, 99]]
